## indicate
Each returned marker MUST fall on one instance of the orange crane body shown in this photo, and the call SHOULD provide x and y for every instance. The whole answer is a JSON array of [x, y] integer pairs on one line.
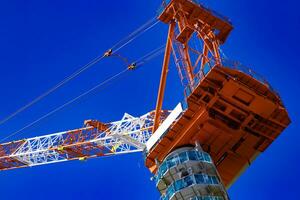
[[232, 111]]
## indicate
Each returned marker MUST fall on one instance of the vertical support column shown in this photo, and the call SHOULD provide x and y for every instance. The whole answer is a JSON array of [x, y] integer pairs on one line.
[[216, 52], [189, 63], [163, 78], [215, 45], [204, 55]]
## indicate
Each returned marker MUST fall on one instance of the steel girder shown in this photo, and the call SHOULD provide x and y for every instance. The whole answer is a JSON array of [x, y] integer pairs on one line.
[[125, 136]]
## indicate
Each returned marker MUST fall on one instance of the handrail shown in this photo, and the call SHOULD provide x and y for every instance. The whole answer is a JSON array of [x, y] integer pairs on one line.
[[180, 158], [226, 63], [165, 3], [195, 179]]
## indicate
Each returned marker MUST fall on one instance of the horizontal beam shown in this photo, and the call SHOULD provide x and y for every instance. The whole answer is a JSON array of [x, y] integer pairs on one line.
[[128, 135]]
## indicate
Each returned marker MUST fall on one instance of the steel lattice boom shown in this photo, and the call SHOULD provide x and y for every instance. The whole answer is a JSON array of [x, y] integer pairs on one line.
[[94, 140]]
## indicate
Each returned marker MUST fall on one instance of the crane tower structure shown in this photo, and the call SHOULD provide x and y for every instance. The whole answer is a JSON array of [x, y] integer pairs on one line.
[[229, 115]]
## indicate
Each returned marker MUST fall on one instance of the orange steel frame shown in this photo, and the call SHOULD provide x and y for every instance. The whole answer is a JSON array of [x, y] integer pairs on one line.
[[233, 115], [176, 15], [163, 78]]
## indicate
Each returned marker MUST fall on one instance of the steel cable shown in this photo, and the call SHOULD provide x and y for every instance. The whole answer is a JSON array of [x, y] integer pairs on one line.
[[140, 62], [150, 55], [75, 74], [148, 24], [64, 105], [119, 45], [136, 36]]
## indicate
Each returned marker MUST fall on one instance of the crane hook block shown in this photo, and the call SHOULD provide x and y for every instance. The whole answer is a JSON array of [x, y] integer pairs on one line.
[[108, 53]]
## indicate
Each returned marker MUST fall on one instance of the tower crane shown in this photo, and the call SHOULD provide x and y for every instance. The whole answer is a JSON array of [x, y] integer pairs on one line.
[[229, 115]]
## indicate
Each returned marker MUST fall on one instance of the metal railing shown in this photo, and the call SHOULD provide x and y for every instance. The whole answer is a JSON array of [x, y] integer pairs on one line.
[[235, 65], [196, 179], [191, 155], [208, 198], [215, 13]]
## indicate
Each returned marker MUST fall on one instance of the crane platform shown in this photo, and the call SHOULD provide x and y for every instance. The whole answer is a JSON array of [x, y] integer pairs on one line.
[[233, 112]]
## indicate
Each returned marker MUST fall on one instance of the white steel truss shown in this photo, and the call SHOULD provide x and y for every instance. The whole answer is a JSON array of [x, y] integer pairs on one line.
[[125, 136]]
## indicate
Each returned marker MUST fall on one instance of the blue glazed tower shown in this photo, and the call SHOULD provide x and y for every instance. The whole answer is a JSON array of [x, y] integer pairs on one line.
[[189, 173]]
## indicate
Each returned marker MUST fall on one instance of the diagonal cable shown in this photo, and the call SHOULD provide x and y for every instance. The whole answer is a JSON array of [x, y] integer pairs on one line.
[[119, 45], [75, 74], [141, 61], [64, 105]]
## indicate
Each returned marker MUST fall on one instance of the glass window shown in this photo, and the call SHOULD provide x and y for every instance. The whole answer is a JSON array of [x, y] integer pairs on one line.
[[215, 180], [199, 179], [200, 156], [192, 155], [170, 191], [179, 185], [188, 180], [172, 162], [183, 157], [163, 168], [207, 157]]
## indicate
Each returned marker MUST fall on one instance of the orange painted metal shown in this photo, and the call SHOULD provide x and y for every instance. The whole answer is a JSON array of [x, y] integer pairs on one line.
[[235, 119], [189, 15], [205, 53], [163, 78], [189, 69], [5, 151], [96, 124], [77, 142], [231, 111]]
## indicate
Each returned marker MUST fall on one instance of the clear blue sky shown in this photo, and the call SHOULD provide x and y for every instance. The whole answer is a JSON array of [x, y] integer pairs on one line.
[[42, 42]]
